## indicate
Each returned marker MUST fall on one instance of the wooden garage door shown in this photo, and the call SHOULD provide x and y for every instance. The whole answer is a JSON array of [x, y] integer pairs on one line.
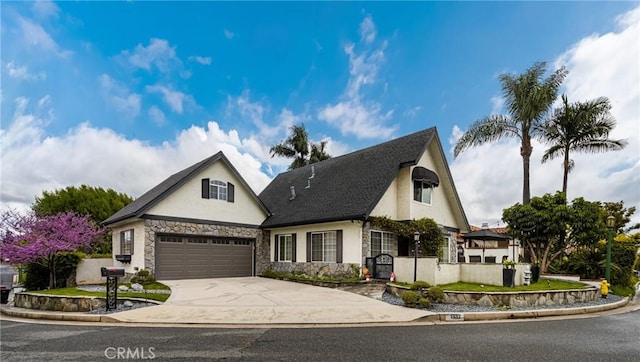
[[194, 257]]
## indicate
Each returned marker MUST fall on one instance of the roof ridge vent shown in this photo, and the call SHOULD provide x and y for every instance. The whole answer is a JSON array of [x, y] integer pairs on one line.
[[313, 171], [293, 192]]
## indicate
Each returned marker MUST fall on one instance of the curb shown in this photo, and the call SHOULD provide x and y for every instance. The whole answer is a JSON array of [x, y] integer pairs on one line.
[[439, 317], [525, 314]]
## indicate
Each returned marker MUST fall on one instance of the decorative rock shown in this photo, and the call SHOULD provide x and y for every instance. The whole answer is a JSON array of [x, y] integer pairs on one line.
[[123, 288], [127, 304], [137, 287]]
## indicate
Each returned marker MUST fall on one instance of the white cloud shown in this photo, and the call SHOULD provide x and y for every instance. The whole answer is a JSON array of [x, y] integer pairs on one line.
[[34, 35], [201, 60], [489, 178], [412, 111], [104, 158], [368, 30], [22, 72], [119, 96], [156, 115], [229, 34], [353, 114], [497, 102], [174, 99], [159, 54], [45, 9]]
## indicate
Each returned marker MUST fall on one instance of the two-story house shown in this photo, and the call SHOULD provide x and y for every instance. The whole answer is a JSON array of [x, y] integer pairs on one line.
[[205, 221]]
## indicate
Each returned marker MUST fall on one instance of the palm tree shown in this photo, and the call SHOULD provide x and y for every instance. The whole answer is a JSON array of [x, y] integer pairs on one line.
[[298, 147], [528, 98], [579, 127]]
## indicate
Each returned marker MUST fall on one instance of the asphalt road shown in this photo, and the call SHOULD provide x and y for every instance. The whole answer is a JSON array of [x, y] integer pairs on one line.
[[604, 338]]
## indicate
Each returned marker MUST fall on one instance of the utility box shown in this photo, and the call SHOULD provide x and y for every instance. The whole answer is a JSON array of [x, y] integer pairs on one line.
[[526, 277], [112, 271]]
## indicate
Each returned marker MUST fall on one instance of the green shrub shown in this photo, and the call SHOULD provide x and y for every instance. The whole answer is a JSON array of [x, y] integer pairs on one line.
[[143, 277], [37, 277], [624, 256], [435, 294], [420, 284], [424, 302], [410, 298]]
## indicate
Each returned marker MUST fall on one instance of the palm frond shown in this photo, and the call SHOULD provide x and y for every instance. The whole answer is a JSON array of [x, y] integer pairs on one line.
[[488, 129]]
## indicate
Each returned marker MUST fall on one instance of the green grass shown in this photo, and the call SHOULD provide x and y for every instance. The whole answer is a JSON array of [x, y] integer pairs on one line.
[[73, 292], [152, 285], [623, 291], [542, 284]]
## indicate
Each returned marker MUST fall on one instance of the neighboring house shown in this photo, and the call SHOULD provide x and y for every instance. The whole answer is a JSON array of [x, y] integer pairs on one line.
[[313, 219], [488, 251]]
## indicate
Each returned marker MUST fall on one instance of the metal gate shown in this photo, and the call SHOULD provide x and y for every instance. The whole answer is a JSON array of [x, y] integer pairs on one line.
[[380, 266]]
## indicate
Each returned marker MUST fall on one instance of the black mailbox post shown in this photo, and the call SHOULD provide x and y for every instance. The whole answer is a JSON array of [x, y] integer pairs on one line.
[[112, 273]]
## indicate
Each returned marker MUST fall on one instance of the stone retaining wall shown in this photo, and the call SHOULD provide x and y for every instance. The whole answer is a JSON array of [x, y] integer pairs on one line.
[[338, 270], [62, 303], [513, 299]]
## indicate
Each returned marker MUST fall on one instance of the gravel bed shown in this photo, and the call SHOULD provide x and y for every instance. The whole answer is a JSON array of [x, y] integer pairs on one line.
[[460, 308], [123, 308], [103, 289]]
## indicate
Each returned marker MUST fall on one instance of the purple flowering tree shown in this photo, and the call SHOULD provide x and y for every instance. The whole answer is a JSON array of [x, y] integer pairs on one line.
[[30, 239]]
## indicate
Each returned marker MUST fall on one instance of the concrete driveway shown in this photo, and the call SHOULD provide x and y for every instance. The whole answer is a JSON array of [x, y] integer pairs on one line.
[[255, 300]]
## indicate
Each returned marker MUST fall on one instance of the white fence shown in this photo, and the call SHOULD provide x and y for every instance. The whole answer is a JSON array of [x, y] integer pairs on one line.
[[434, 273], [88, 271]]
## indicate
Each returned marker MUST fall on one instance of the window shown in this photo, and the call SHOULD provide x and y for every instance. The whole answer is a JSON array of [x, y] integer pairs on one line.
[[422, 191], [323, 246], [218, 190], [126, 242], [284, 246], [381, 242], [170, 239]]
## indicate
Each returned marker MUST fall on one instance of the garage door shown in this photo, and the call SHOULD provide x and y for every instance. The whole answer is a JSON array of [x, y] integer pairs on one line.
[[194, 257]]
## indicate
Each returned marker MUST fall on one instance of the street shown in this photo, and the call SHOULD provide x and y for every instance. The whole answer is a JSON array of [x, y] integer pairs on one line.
[[604, 338]]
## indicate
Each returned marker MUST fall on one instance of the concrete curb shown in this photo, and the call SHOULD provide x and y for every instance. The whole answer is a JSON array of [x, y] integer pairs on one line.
[[439, 317], [523, 314]]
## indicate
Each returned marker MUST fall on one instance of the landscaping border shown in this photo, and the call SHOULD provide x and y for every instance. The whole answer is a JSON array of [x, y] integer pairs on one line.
[[62, 303]]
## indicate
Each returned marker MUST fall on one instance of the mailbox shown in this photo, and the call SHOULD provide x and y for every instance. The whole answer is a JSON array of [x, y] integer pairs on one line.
[[112, 271]]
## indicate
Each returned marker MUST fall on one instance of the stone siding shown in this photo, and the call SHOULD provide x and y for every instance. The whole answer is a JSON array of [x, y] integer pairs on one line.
[[154, 227], [338, 270]]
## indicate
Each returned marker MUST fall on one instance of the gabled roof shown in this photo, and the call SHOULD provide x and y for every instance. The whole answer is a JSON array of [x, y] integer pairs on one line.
[[347, 187], [152, 197]]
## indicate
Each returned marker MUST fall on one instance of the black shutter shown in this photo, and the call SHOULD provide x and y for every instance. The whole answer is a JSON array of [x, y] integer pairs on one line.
[[205, 188], [308, 247], [338, 246], [230, 192], [276, 245], [133, 240], [122, 243], [293, 248]]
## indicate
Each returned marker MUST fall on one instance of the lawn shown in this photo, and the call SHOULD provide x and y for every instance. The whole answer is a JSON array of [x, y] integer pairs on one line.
[[73, 292], [542, 284]]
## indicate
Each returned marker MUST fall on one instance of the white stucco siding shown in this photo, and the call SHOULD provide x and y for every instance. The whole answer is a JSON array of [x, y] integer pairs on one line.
[[137, 258], [187, 201], [388, 204], [351, 239], [442, 206]]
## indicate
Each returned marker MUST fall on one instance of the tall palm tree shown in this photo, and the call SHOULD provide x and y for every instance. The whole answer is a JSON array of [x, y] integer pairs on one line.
[[298, 147], [528, 98], [579, 127]]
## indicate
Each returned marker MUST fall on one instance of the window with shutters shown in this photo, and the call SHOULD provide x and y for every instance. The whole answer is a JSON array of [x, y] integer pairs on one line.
[[323, 246], [381, 242], [126, 242], [285, 247], [218, 190]]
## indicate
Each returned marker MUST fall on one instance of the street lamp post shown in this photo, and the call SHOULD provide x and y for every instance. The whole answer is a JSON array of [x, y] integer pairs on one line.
[[611, 223], [416, 245]]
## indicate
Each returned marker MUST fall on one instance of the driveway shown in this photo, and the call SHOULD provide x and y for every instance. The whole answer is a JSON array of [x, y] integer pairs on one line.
[[255, 300]]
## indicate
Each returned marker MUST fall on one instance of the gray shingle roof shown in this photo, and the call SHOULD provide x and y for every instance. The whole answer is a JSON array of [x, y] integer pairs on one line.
[[347, 187], [143, 203]]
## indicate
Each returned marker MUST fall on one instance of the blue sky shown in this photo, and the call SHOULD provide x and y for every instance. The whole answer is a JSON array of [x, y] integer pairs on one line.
[[122, 94]]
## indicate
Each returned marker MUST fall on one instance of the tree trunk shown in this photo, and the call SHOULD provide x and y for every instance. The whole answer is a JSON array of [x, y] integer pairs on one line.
[[52, 272], [525, 152], [565, 176]]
